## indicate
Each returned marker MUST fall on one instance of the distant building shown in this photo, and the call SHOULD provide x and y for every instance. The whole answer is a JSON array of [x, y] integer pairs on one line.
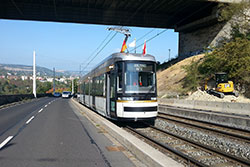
[[24, 77], [12, 77], [39, 78], [49, 79]]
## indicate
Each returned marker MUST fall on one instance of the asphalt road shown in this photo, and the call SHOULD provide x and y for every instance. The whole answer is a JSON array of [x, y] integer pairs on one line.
[[49, 132]]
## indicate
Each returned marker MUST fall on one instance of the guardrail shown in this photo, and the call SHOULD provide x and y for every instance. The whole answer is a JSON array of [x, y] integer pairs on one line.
[[5, 99]]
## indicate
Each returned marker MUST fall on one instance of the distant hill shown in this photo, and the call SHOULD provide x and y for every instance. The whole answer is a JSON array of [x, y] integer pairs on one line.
[[19, 70]]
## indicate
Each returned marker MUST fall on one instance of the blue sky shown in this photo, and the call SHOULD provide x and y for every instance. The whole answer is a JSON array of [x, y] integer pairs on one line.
[[65, 45]]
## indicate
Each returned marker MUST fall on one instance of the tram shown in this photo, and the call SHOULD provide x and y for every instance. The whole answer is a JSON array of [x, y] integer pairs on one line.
[[122, 87]]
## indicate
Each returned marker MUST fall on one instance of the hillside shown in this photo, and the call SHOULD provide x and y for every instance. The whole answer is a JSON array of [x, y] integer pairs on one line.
[[169, 81], [170, 84], [19, 70]]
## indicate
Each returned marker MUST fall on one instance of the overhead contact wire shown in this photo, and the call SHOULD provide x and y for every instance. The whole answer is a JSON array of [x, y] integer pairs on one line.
[[100, 50]]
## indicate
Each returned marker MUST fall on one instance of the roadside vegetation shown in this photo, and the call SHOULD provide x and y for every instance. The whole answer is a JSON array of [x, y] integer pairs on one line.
[[231, 56], [14, 87]]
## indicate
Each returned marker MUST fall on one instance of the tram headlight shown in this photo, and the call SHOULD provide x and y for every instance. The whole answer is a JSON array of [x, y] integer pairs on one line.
[[153, 98], [128, 98]]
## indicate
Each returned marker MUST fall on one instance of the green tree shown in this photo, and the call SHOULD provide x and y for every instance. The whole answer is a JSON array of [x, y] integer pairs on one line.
[[233, 55], [192, 78], [75, 85], [42, 87]]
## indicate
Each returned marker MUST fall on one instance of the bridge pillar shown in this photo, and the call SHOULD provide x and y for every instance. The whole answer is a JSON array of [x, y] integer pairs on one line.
[[194, 42], [198, 35]]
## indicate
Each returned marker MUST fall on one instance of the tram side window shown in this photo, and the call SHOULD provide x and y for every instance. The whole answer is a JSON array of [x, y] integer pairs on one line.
[[99, 86], [86, 90], [85, 87], [82, 88], [102, 85], [119, 66], [112, 85], [93, 90], [98, 91], [91, 87]]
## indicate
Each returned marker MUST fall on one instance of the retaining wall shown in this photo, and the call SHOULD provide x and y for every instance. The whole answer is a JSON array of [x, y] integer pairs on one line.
[[5, 99], [226, 107]]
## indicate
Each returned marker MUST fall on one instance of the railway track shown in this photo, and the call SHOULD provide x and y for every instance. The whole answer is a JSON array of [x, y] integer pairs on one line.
[[194, 153], [239, 134]]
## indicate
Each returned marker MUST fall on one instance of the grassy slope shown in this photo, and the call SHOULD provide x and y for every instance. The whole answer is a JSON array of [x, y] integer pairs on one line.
[[169, 81]]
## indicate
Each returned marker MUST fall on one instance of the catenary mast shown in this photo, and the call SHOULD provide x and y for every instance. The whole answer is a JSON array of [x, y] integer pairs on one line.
[[34, 74]]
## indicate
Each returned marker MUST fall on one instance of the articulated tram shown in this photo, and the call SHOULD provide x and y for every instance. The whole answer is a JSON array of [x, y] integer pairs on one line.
[[122, 87]]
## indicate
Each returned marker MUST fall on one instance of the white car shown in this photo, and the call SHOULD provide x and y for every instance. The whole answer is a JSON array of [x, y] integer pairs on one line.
[[66, 94]]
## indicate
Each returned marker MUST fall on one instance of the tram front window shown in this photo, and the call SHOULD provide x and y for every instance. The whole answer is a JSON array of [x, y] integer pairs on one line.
[[139, 78]]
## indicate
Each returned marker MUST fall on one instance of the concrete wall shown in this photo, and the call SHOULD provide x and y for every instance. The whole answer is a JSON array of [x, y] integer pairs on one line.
[[194, 37], [229, 120], [225, 107], [5, 99], [194, 42]]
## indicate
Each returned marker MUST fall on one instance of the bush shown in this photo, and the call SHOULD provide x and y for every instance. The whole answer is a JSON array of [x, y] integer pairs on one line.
[[192, 79], [233, 58]]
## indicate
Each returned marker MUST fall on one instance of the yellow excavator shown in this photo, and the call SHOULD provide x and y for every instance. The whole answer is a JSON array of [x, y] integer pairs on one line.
[[221, 86]]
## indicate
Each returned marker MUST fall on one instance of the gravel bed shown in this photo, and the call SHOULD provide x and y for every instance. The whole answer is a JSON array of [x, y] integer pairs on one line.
[[225, 144], [213, 161], [199, 153], [181, 146]]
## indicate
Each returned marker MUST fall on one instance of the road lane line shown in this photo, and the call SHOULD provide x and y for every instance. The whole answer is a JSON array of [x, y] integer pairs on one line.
[[30, 120], [46, 105], [5, 142], [40, 110]]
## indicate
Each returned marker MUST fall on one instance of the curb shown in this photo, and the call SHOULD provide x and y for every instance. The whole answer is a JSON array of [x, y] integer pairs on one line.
[[144, 152]]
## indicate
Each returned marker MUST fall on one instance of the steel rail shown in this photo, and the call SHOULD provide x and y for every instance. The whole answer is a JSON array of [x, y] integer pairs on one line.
[[167, 147], [206, 128], [237, 159]]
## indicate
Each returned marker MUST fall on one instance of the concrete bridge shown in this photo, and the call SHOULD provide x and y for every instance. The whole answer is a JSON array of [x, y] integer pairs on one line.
[[195, 20]]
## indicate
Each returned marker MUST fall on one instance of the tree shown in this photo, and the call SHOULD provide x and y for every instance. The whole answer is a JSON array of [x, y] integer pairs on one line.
[[232, 56], [42, 87], [238, 14]]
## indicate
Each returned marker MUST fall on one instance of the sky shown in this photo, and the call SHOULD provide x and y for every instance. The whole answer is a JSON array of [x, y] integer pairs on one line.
[[67, 46]]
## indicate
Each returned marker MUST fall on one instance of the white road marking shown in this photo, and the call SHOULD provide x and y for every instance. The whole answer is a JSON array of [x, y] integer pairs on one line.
[[30, 120], [40, 110], [49, 102], [5, 142], [46, 105]]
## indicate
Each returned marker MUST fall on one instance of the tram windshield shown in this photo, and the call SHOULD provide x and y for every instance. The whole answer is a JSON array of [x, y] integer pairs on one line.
[[139, 77]]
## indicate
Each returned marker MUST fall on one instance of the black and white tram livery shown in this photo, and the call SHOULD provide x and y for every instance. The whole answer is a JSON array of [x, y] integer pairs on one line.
[[122, 87]]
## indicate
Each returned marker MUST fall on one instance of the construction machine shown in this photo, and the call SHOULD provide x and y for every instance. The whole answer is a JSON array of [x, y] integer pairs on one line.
[[221, 86]]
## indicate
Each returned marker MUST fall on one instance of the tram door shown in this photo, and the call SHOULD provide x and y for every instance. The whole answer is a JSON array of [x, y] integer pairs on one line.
[[111, 98], [93, 92], [108, 94]]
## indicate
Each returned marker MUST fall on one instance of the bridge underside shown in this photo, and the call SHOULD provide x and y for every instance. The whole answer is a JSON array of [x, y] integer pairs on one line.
[[142, 13]]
